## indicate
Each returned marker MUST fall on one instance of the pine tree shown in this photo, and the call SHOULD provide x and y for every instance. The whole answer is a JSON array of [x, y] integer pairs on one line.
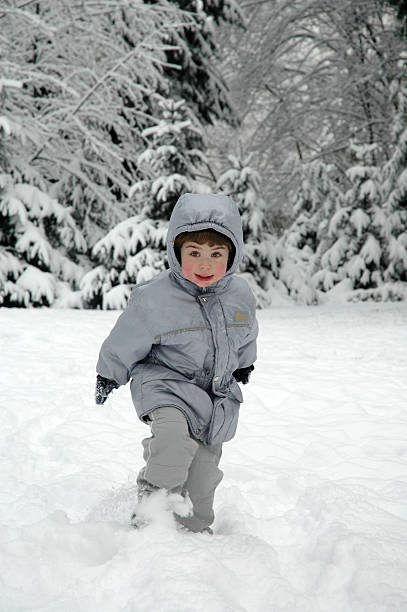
[[306, 240], [110, 97], [243, 183], [391, 220], [134, 250], [191, 60], [172, 158], [170, 162], [39, 240], [353, 242], [89, 71], [307, 77], [355, 257]]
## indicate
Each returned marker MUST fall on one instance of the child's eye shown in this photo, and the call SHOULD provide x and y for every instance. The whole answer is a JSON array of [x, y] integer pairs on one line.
[[194, 253], [217, 254]]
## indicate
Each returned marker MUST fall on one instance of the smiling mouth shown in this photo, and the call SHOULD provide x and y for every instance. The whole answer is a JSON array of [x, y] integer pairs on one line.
[[204, 278]]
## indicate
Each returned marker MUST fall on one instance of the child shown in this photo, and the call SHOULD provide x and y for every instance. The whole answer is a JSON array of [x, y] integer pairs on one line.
[[185, 339]]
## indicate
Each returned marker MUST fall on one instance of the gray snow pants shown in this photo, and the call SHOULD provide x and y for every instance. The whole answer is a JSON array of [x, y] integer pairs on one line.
[[176, 461]]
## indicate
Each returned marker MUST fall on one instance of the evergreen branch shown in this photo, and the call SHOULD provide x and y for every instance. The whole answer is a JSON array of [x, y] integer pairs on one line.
[[102, 80], [95, 141], [254, 3], [30, 17], [81, 178], [204, 176], [36, 76], [110, 72], [113, 177], [211, 172], [26, 4]]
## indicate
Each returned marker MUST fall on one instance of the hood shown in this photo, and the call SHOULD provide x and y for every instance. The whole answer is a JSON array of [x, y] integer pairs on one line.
[[194, 212]]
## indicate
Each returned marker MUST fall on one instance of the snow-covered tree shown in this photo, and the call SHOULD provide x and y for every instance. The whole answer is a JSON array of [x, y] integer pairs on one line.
[[112, 100], [352, 242], [355, 257], [131, 253], [134, 250], [243, 183], [89, 70], [170, 161], [306, 240], [191, 67], [39, 239], [306, 78], [316, 200], [391, 219]]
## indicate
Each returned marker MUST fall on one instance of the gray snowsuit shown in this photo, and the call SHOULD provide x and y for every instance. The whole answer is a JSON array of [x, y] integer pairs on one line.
[[180, 343]]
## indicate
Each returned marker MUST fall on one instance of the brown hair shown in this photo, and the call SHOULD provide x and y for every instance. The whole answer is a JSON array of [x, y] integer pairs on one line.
[[210, 236]]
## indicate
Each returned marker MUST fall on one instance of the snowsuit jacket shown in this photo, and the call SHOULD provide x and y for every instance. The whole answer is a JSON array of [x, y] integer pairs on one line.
[[180, 343]]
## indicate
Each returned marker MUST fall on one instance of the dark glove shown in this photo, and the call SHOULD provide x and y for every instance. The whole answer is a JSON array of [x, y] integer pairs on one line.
[[243, 374], [104, 386]]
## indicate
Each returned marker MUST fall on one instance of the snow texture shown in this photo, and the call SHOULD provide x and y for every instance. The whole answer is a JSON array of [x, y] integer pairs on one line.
[[311, 514]]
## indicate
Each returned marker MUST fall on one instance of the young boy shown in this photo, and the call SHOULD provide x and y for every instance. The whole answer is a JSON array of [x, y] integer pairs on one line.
[[186, 338]]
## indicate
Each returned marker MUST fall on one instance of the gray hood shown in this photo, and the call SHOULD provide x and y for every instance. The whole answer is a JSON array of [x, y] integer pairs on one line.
[[195, 212]]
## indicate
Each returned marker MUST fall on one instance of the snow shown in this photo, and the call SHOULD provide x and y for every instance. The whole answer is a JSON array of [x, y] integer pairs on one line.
[[34, 244], [360, 220], [398, 249], [371, 250], [117, 297], [311, 514], [10, 266], [40, 285], [339, 220], [10, 83], [4, 123], [10, 206]]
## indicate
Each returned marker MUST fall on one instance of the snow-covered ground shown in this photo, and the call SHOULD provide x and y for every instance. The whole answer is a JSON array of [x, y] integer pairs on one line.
[[311, 514]]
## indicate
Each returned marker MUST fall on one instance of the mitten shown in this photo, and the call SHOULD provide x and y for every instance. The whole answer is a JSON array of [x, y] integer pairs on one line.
[[242, 374], [104, 386]]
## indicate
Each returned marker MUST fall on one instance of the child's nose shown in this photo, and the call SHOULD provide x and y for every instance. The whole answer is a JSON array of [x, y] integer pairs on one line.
[[205, 262]]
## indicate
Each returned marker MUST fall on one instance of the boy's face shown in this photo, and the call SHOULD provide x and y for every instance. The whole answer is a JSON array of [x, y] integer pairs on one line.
[[203, 264]]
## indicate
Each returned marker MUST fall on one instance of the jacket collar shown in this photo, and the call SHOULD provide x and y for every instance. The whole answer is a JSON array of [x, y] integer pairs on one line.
[[196, 291]]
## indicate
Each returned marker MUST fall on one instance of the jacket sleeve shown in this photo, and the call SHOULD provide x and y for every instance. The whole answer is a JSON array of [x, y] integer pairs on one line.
[[248, 350], [129, 341]]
